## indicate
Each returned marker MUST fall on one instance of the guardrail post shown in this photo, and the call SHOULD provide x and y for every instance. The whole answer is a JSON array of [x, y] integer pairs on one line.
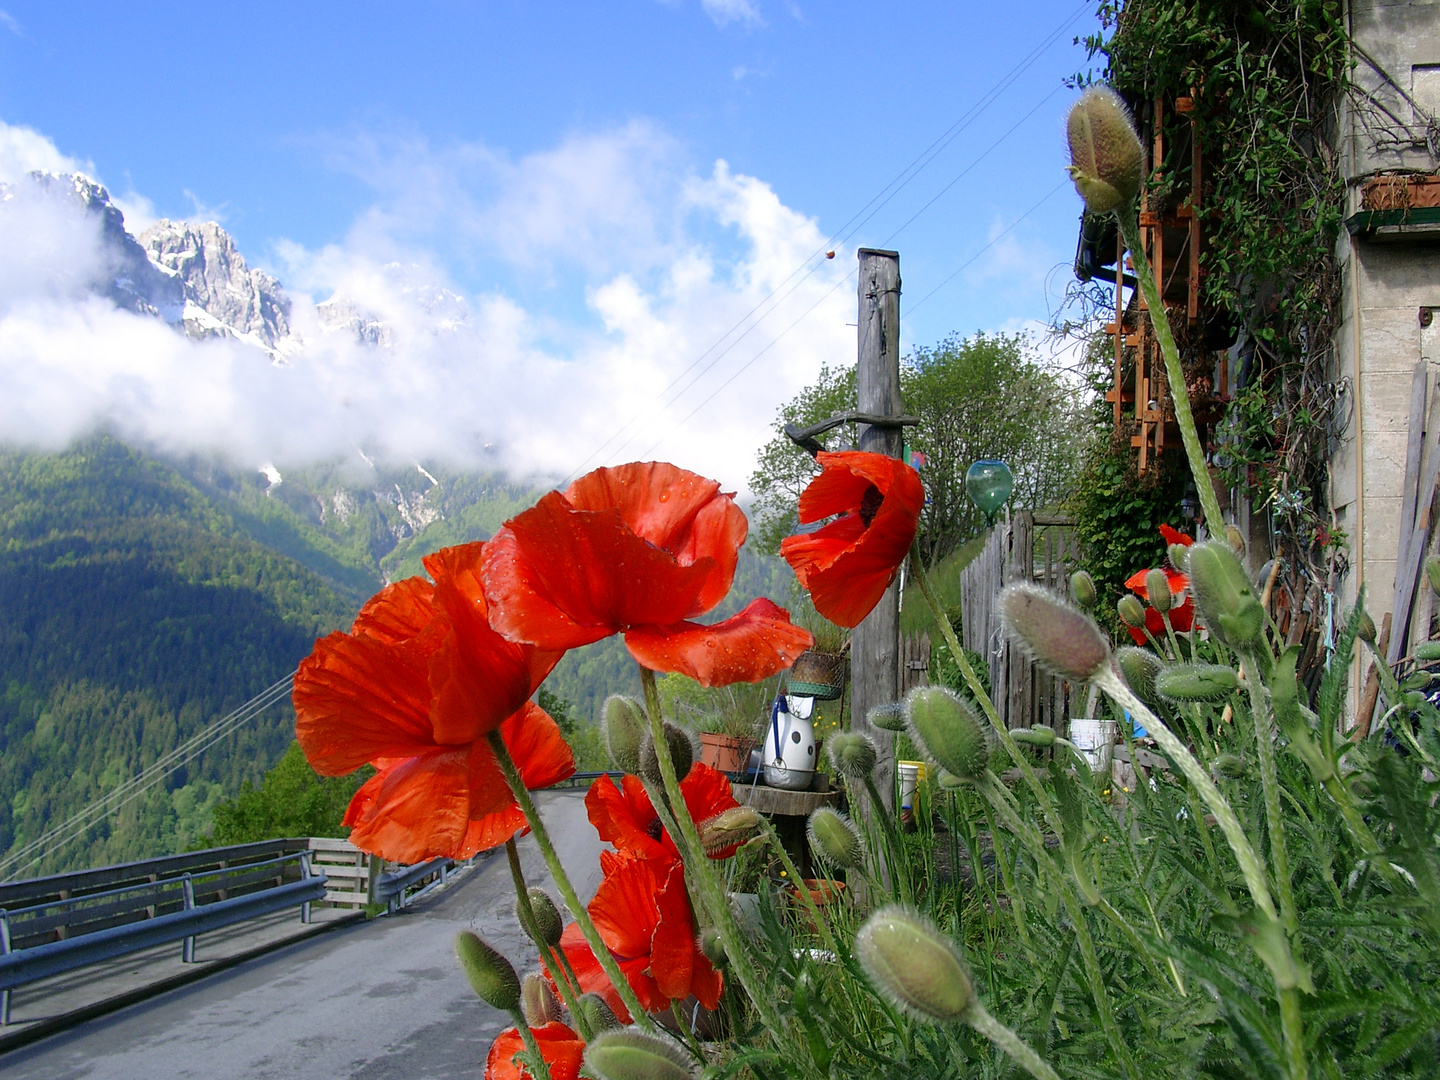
[[187, 885], [305, 875], [4, 951]]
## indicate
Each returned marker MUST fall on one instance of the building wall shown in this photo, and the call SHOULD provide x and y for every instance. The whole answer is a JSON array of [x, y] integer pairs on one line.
[[1386, 126]]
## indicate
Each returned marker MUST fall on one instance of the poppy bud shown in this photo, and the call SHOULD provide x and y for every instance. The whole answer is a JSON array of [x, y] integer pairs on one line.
[[1178, 554], [682, 753], [1082, 589], [852, 754], [623, 725], [833, 835], [628, 1054], [490, 974], [1157, 590], [1060, 637], [887, 717], [944, 725], [1236, 539], [537, 1001], [1036, 735], [1105, 152], [595, 1014], [713, 947], [1366, 628], [1432, 572], [1140, 666], [1427, 651], [913, 965], [728, 828], [1230, 766], [948, 781], [1196, 682], [548, 923], [1222, 589], [1131, 611]]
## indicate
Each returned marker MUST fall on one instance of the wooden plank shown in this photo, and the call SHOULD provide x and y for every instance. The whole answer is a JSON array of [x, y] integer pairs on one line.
[[1414, 449], [331, 843]]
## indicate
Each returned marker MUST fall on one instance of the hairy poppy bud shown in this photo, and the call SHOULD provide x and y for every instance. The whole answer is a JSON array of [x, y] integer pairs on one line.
[[1131, 611], [490, 974], [537, 1001], [852, 754], [1222, 589], [1236, 539], [945, 725], [1105, 152], [1157, 590], [949, 781], [713, 947], [913, 965], [833, 835], [623, 725], [682, 753], [1060, 637], [1178, 553], [1427, 651], [1196, 682], [1230, 766], [1035, 735], [1366, 628], [887, 717], [1432, 572], [1140, 666], [728, 828], [1082, 589], [595, 1014], [548, 923], [628, 1054]]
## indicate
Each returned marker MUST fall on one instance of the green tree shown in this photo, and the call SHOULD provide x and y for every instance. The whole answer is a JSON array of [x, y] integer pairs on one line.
[[290, 801]]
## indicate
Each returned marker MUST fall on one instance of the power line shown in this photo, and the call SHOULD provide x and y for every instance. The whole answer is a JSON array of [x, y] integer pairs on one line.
[[857, 221]]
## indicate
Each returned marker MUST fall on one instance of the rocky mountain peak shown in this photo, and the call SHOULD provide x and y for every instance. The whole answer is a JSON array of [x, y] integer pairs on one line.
[[224, 297]]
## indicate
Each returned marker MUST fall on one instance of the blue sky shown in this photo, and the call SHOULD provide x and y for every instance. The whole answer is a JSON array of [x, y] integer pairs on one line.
[[541, 156]]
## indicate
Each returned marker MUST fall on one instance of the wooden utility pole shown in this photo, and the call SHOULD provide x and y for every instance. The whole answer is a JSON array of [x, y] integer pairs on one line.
[[875, 643]]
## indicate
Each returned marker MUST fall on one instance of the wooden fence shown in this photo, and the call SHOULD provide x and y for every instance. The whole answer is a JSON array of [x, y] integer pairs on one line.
[[1036, 547]]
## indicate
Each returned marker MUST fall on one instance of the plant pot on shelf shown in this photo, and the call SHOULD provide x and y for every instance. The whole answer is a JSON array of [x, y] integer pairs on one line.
[[823, 892], [726, 753], [818, 675]]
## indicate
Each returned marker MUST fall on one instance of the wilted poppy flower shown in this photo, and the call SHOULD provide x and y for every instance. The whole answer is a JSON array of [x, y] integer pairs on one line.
[[643, 914], [562, 1049], [625, 817], [413, 689], [1182, 616], [848, 564], [638, 549]]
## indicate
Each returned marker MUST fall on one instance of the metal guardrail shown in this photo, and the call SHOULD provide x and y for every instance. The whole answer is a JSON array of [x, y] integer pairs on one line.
[[23, 966]]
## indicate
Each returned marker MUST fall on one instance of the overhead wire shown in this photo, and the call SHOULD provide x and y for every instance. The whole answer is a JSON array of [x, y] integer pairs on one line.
[[857, 221]]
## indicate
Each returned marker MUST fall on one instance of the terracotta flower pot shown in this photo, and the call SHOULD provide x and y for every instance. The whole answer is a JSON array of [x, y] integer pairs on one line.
[[727, 753], [823, 891]]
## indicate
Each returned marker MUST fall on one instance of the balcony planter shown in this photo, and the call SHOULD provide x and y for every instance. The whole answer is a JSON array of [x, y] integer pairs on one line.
[[727, 753], [818, 675]]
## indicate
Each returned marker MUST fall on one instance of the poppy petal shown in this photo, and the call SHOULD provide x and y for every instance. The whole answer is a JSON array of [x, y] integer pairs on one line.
[[358, 698], [539, 750], [415, 809], [707, 792], [657, 501], [523, 609], [672, 946], [624, 908], [588, 972], [562, 1049], [747, 647], [398, 612], [1175, 536], [623, 816]]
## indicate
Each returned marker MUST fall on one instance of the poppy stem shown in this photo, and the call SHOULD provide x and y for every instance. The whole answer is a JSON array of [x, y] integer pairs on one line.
[[562, 882], [548, 953], [1009, 1042], [712, 892], [537, 1065], [806, 897]]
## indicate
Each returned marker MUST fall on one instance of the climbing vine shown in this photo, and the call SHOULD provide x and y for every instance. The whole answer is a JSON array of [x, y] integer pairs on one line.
[[1265, 77]]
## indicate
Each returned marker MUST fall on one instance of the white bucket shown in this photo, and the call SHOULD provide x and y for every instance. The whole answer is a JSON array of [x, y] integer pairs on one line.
[[1096, 740], [910, 773]]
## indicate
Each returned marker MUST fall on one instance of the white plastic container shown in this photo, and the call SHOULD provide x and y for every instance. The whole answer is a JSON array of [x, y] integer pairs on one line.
[[1096, 740], [789, 751]]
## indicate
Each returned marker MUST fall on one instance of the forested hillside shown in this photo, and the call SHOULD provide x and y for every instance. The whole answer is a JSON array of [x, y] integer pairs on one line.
[[140, 600]]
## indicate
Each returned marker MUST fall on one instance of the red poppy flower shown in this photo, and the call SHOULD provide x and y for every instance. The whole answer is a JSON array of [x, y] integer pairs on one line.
[[562, 1049], [848, 564], [639, 549], [644, 917], [1182, 616], [625, 817], [413, 689]]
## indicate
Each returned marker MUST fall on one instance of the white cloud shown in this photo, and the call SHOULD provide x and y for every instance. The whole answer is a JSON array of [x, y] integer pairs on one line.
[[23, 150], [659, 265], [10, 23], [724, 12]]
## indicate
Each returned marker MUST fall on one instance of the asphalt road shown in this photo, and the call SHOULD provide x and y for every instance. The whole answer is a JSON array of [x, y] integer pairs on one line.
[[373, 1001]]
